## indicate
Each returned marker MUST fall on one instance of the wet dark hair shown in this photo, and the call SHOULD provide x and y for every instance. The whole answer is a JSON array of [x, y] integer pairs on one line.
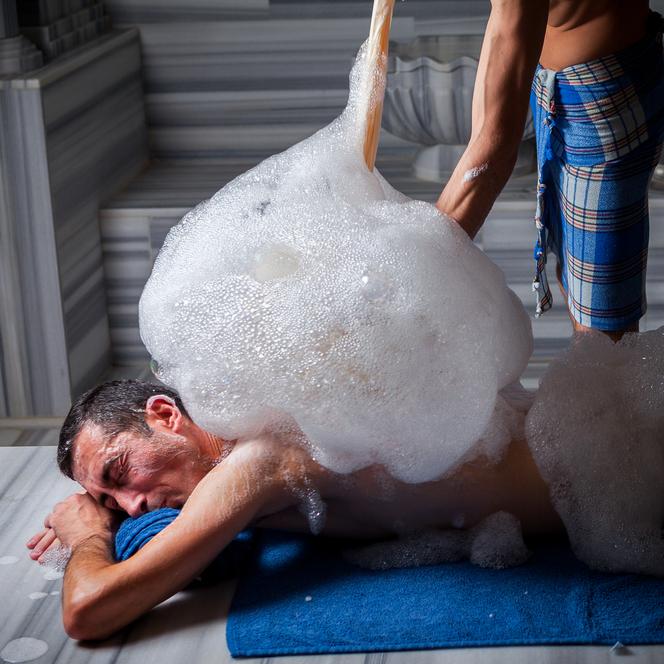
[[116, 406]]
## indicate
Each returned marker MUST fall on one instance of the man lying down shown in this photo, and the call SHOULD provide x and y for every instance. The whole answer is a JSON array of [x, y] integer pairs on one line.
[[343, 353], [133, 448]]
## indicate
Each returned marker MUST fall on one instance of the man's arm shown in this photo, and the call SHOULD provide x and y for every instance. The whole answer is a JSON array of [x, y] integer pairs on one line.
[[101, 596], [510, 51]]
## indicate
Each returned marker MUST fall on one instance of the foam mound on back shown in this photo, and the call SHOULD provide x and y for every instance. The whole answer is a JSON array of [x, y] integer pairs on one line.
[[596, 431], [308, 291]]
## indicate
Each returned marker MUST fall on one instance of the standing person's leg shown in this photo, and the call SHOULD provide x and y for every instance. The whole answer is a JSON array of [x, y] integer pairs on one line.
[[599, 127], [603, 235]]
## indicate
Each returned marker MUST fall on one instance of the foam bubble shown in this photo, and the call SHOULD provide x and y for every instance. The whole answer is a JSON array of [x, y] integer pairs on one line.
[[312, 507], [475, 172], [595, 432], [309, 290], [24, 649], [37, 595], [495, 542], [55, 561]]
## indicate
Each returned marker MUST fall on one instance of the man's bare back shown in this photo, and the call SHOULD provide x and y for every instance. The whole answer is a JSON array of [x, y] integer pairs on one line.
[[371, 504]]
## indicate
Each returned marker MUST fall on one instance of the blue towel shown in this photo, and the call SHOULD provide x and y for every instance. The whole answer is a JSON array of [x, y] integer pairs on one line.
[[135, 533], [299, 596]]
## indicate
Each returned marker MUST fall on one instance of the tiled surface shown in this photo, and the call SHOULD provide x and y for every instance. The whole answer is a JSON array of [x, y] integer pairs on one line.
[[191, 626]]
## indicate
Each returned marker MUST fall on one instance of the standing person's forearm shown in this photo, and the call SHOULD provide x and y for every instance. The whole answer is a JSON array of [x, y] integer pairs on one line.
[[477, 180], [510, 52]]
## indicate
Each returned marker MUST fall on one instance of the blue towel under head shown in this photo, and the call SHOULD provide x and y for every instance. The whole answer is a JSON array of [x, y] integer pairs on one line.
[[134, 533]]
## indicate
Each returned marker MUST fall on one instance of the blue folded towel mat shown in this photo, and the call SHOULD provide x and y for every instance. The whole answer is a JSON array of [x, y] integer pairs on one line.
[[299, 596]]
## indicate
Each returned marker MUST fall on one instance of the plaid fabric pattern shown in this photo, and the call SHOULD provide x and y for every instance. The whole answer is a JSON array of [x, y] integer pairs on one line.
[[599, 129]]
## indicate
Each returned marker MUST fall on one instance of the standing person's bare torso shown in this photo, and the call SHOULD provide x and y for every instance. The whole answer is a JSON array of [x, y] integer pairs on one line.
[[582, 30]]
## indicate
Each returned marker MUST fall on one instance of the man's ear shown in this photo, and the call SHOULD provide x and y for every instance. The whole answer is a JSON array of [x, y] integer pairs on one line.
[[161, 413]]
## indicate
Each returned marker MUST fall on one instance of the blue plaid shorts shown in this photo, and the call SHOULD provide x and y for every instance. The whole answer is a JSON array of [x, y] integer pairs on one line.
[[599, 129]]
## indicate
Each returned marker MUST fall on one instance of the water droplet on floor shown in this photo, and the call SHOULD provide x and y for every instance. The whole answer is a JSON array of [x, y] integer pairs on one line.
[[24, 649]]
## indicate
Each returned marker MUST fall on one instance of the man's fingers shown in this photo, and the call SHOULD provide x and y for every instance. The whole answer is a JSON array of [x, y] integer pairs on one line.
[[43, 545], [35, 538]]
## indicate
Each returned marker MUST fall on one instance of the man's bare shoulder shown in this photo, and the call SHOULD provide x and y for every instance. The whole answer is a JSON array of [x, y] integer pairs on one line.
[[266, 468]]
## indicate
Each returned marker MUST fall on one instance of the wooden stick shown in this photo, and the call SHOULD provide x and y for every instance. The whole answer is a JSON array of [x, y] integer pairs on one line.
[[379, 37]]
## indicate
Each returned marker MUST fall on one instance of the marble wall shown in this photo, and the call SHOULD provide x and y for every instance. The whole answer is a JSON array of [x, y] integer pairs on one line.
[[71, 135], [236, 76]]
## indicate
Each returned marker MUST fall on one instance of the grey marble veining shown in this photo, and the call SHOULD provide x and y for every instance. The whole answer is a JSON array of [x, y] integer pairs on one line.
[[191, 626], [227, 77], [71, 135], [219, 83]]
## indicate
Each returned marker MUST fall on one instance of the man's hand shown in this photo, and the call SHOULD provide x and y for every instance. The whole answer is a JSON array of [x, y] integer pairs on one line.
[[71, 522]]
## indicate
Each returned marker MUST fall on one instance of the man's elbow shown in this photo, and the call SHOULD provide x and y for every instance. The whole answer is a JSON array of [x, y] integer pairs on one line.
[[82, 619]]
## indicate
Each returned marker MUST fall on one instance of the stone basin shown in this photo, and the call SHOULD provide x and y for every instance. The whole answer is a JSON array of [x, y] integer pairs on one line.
[[428, 101]]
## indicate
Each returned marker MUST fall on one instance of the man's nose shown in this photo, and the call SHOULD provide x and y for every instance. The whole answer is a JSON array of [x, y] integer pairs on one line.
[[134, 504]]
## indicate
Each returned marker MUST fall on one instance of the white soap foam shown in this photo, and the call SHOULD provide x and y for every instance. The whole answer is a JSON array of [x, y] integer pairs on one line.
[[495, 542], [475, 172], [8, 560], [596, 432], [308, 289], [24, 649], [55, 561]]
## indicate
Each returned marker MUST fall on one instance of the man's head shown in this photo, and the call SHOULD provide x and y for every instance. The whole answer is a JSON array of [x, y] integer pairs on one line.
[[133, 447]]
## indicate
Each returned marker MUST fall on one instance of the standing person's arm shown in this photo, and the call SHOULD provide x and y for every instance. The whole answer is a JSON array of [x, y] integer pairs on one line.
[[510, 51]]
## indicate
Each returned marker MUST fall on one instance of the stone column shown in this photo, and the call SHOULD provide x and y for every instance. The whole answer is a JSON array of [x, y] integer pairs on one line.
[[17, 54]]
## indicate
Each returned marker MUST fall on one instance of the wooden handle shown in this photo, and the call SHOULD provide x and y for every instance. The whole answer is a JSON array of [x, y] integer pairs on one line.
[[377, 49]]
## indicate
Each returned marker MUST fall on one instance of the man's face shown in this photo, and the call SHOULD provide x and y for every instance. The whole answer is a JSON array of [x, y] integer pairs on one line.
[[135, 473]]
